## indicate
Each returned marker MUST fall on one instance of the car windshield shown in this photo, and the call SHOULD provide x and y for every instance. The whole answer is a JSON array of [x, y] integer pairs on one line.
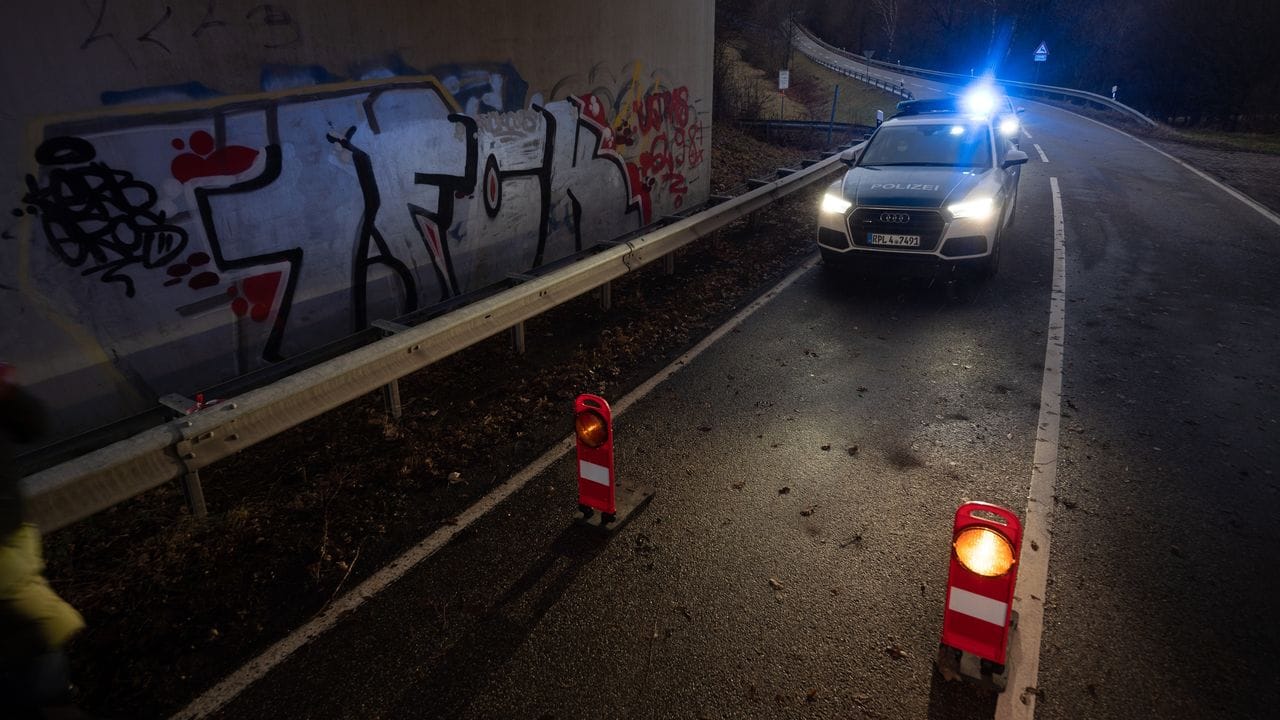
[[930, 145]]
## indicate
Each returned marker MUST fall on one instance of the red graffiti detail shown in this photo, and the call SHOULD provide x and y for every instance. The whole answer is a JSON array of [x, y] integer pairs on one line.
[[206, 161], [669, 107], [429, 233], [259, 295], [641, 191], [180, 270], [203, 280]]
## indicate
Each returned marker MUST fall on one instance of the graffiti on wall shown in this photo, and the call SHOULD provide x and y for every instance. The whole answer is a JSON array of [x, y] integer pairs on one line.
[[237, 232]]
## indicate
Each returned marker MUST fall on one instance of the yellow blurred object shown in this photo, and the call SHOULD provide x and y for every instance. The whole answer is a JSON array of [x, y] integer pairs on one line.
[[29, 608], [983, 551], [591, 429]]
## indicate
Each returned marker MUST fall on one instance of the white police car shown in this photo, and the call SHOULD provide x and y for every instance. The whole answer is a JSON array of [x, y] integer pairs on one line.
[[930, 192]]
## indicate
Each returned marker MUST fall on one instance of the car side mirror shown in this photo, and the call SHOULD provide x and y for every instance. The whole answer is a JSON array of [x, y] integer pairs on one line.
[[850, 157], [1014, 157]]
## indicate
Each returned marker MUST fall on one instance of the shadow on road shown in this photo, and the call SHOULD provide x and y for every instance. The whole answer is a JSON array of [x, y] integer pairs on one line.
[[959, 700], [464, 669]]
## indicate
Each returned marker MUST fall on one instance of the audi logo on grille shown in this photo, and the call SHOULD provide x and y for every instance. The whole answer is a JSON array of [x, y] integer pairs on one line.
[[895, 218]]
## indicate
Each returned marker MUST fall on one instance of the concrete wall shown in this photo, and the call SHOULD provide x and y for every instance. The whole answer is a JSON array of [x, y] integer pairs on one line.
[[199, 189]]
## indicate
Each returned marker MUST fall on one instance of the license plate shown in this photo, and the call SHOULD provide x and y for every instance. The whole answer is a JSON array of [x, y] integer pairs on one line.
[[893, 240]]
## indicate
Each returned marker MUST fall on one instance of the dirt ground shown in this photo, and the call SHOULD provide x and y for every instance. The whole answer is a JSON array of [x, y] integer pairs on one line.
[[175, 603]]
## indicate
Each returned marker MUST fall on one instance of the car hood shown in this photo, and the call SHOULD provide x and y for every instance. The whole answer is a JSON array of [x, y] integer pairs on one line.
[[922, 187]]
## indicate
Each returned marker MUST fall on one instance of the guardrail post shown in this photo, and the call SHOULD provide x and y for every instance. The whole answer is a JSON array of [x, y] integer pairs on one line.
[[391, 398], [606, 296], [517, 338], [391, 391], [194, 493], [669, 264]]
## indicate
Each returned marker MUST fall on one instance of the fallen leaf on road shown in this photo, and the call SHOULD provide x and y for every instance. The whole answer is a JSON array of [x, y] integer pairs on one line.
[[826, 448], [808, 511], [704, 428], [784, 490], [853, 450], [850, 541], [897, 652], [812, 695], [862, 388], [861, 699], [455, 478], [1035, 545], [775, 583], [738, 485]]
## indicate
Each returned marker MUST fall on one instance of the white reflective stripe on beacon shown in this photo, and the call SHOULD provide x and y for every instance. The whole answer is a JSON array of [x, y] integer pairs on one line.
[[593, 472], [979, 606]]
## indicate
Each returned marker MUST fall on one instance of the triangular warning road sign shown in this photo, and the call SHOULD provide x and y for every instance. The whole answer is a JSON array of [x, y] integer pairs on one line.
[[1042, 50]]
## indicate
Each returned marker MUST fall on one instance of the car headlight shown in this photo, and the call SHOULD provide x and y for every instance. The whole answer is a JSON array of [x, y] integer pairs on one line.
[[835, 204], [977, 209], [1009, 127]]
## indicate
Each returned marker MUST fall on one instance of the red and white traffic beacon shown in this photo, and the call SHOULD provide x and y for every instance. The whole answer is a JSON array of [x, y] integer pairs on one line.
[[601, 501], [986, 542], [593, 426]]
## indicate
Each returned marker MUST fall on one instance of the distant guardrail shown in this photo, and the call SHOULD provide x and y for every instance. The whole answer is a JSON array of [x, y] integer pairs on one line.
[[887, 86], [1052, 90]]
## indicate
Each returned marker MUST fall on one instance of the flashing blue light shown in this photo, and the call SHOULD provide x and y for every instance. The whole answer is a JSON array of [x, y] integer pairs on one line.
[[980, 101]]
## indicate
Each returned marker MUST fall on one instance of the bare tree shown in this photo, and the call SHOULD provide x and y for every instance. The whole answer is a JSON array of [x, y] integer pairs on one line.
[[888, 12]]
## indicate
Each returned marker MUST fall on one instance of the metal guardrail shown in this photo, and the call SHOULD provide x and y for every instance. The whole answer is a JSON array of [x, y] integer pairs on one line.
[[1095, 98], [881, 83], [75, 489]]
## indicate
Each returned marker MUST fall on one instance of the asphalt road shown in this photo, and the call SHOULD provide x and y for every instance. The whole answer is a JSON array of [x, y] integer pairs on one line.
[[807, 465]]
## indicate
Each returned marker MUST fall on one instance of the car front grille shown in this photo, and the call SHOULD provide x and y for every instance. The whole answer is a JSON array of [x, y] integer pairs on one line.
[[925, 223]]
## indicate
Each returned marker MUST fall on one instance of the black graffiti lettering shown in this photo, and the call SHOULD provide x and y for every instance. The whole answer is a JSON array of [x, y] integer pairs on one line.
[[272, 17], [146, 36], [271, 351], [369, 233], [208, 21], [94, 36], [93, 213]]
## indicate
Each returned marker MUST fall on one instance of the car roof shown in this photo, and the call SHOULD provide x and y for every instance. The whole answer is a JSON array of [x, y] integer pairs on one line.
[[938, 118], [950, 107]]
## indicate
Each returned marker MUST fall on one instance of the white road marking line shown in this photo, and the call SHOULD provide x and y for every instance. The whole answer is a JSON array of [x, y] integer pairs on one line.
[[218, 696], [1262, 209], [1043, 157], [1024, 132], [1019, 701]]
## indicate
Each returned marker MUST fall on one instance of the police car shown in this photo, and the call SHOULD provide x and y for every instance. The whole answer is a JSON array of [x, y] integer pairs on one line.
[[930, 192]]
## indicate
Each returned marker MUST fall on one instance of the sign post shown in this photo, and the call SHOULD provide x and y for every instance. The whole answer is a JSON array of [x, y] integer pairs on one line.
[[784, 82]]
